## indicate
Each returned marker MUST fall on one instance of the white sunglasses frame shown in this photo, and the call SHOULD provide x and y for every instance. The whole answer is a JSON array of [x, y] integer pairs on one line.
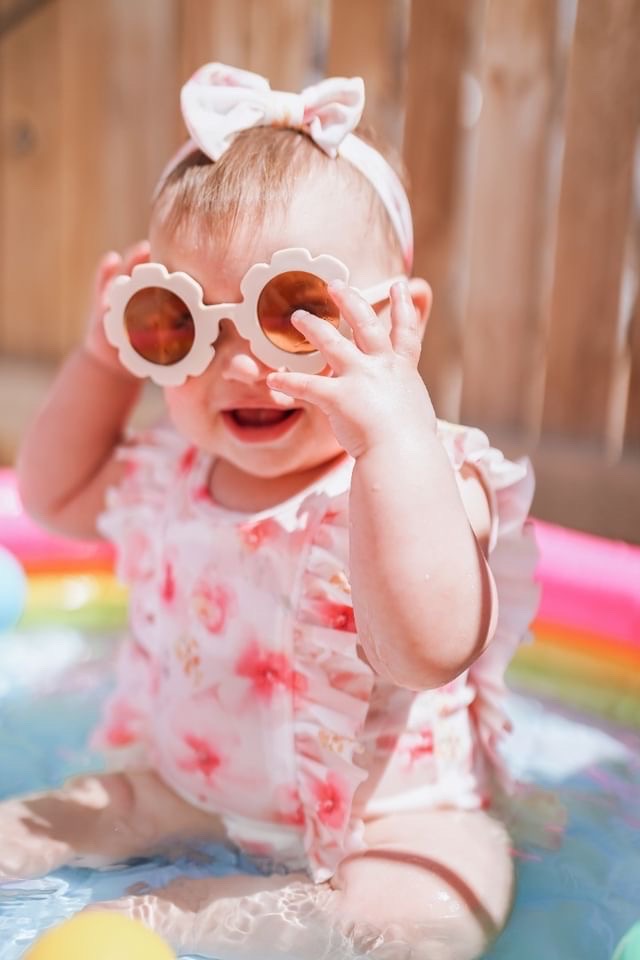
[[207, 317]]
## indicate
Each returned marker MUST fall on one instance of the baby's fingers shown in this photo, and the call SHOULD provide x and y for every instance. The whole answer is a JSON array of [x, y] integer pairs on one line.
[[109, 266], [112, 264], [405, 322], [328, 341], [135, 254], [369, 333], [309, 387]]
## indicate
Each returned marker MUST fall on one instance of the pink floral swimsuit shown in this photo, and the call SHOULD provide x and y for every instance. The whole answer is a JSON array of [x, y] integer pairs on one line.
[[240, 682]]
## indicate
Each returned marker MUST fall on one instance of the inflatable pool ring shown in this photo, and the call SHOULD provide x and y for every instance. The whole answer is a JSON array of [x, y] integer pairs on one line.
[[100, 935], [39, 551], [69, 582], [82, 600], [13, 590], [586, 650]]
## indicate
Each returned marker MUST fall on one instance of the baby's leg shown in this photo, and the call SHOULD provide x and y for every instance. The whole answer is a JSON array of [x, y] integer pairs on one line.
[[440, 882], [93, 820], [434, 885]]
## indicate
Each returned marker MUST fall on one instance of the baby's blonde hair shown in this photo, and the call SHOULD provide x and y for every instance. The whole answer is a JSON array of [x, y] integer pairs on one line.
[[259, 172]]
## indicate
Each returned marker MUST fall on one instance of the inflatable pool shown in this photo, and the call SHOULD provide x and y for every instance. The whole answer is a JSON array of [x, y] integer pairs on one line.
[[576, 746]]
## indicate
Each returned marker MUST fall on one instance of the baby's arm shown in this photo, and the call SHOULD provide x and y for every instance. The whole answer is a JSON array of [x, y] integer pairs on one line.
[[67, 458], [423, 593], [422, 590]]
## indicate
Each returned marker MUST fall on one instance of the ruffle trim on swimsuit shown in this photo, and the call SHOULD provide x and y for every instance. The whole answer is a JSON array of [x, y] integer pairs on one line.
[[329, 723], [512, 558]]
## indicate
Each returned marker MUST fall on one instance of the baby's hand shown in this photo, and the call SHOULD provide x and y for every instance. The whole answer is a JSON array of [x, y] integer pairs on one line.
[[375, 393], [110, 266]]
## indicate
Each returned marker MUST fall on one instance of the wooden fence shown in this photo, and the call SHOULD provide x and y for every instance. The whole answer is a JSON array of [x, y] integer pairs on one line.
[[518, 121]]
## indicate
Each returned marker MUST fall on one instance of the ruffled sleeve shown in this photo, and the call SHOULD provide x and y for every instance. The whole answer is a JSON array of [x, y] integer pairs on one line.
[[512, 557], [333, 700]]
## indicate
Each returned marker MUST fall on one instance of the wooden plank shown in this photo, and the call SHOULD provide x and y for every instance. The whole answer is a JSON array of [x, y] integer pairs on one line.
[[273, 38], [602, 120], [280, 41], [632, 430], [381, 28], [437, 149], [512, 222], [631, 336], [30, 266], [578, 488], [14, 12], [213, 30], [119, 82], [5, 12]]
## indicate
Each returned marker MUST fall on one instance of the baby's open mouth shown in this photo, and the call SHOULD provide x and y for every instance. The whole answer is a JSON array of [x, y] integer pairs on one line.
[[260, 416], [260, 424]]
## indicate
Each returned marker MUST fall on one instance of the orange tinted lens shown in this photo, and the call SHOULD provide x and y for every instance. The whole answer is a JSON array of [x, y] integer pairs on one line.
[[159, 326], [282, 296]]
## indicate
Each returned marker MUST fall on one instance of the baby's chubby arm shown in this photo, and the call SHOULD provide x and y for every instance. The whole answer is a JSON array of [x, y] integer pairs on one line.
[[423, 594], [67, 460]]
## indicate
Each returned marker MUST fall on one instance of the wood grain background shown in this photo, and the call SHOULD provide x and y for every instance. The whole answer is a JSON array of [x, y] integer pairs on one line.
[[518, 124]]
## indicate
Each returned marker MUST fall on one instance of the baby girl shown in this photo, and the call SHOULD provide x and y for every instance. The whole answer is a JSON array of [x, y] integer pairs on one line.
[[326, 582]]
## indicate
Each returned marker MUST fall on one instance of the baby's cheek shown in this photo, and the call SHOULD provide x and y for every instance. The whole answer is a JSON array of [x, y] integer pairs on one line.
[[185, 407]]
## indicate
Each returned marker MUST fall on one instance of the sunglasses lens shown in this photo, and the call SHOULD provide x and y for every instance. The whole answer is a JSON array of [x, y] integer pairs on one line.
[[282, 296], [159, 326]]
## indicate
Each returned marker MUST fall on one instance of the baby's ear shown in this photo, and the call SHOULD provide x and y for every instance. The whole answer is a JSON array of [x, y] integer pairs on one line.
[[421, 295]]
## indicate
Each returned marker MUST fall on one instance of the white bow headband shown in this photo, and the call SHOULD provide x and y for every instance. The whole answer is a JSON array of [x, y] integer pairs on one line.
[[220, 101]]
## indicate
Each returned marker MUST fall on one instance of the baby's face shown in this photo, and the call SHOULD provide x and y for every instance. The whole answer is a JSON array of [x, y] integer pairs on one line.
[[229, 411]]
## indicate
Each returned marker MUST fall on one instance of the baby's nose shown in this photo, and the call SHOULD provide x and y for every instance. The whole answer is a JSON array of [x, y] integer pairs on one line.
[[236, 360]]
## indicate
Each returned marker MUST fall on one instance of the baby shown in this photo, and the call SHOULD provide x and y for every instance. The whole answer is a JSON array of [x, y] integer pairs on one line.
[[326, 582]]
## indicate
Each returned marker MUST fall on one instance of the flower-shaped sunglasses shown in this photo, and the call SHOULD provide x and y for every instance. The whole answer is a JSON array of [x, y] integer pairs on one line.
[[163, 329]]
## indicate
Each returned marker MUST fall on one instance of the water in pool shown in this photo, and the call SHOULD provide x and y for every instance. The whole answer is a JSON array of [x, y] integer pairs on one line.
[[577, 893]]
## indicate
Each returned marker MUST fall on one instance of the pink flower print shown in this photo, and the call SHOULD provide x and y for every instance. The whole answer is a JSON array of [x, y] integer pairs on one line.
[[120, 731], [289, 806], [134, 562], [187, 459], [339, 579], [203, 758], [268, 670], [254, 535], [168, 588], [386, 742], [131, 469], [423, 748], [211, 602], [338, 616], [355, 684], [187, 653], [202, 493], [331, 801]]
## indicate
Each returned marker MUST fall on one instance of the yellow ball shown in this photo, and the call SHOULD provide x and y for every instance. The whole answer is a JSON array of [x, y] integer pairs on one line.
[[100, 936]]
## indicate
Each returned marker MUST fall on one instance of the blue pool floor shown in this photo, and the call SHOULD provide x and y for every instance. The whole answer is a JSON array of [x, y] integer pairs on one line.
[[578, 888]]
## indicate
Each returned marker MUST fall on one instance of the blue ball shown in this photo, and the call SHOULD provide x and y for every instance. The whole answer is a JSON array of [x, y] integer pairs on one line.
[[13, 590]]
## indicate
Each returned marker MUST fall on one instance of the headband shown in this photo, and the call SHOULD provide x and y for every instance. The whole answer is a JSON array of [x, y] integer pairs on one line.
[[220, 101]]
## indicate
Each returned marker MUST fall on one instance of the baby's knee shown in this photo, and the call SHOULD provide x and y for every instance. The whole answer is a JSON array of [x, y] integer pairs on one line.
[[430, 886], [391, 914]]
